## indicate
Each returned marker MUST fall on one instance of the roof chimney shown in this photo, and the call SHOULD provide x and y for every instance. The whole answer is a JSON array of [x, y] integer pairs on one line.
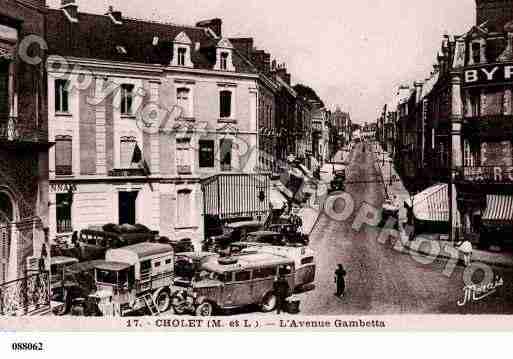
[[70, 8], [418, 91], [215, 25], [244, 45]]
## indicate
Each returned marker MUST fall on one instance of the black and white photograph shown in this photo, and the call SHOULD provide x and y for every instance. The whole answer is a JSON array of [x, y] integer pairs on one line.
[[256, 165]]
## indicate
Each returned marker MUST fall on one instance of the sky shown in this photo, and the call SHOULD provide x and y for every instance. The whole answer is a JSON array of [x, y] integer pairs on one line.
[[353, 53]]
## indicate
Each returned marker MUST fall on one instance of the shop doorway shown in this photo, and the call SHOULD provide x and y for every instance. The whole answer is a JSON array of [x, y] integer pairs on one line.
[[127, 207]]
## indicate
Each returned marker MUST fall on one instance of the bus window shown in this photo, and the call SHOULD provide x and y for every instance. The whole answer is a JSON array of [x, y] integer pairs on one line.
[[145, 265], [307, 260], [261, 273], [285, 269], [242, 276]]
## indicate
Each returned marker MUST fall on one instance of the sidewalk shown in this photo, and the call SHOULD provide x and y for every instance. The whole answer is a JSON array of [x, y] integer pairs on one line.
[[388, 172], [424, 244]]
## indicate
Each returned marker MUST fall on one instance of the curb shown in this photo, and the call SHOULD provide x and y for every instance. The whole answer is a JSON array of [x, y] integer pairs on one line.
[[406, 249]]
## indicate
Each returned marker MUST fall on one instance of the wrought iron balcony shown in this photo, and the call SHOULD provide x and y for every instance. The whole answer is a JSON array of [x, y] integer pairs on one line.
[[11, 130], [127, 172], [487, 174]]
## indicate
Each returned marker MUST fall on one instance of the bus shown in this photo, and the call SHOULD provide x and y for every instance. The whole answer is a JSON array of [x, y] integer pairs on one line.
[[233, 282]]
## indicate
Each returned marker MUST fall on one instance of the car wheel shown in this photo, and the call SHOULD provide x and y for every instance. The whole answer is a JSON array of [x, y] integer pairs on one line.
[[163, 301], [269, 303], [205, 309]]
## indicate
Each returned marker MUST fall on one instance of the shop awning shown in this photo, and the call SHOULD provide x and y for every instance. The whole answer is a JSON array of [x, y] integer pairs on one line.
[[432, 204], [499, 208]]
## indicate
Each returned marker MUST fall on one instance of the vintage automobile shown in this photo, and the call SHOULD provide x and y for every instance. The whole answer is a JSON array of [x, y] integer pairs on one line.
[[291, 234], [227, 283], [96, 240], [267, 237], [187, 265], [233, 232], [135, 277], [303, 257], [339, 178]]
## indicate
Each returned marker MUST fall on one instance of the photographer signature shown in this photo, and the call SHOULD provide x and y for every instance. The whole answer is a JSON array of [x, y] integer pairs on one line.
[[474, 293]]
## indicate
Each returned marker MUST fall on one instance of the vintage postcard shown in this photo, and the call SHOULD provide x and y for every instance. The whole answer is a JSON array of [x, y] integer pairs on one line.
[[242, 165]]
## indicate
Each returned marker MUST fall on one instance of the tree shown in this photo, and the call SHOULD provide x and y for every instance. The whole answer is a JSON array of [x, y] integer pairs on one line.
[[308, 93]]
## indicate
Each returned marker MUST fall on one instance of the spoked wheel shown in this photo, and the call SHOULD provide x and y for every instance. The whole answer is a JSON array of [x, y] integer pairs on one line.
[[269, 303], [163, 301], [205, 310]]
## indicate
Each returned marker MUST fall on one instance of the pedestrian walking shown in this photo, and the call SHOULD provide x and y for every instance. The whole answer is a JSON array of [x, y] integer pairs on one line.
[[281, 290], [466, 249], [340, 274]]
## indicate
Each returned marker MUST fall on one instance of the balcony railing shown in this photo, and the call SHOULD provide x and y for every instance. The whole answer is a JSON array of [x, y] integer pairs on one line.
[[127, 172], [487, 174], [14, 131]]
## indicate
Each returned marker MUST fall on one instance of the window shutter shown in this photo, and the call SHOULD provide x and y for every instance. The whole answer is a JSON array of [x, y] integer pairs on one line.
[[126, 149], [63, 155]]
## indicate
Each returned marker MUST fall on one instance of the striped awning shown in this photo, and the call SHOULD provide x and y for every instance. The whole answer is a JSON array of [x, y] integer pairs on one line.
[[432, 204], [499, 208]]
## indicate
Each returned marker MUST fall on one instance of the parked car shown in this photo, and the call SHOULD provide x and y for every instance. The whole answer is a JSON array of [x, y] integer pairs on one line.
[[290, 233], [96, 240], [267, 237], [233, 232]]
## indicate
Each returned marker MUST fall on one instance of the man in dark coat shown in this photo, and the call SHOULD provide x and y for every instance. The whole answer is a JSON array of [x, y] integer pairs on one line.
[[340, 273], [281, 290]]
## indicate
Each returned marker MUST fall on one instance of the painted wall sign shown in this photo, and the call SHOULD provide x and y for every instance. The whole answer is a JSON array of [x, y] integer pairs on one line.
[[488, 74]]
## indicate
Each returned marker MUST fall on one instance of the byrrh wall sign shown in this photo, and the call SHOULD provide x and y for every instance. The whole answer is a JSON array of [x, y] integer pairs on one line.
[[490, 73]]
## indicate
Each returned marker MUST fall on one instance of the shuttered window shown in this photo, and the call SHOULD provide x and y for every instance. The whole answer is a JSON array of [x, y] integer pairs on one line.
[[183, 101], [183, 156], [63, 156], [184, 208], [126, 151]]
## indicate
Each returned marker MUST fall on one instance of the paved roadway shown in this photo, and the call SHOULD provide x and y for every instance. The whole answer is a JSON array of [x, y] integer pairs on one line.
[[380, 279]]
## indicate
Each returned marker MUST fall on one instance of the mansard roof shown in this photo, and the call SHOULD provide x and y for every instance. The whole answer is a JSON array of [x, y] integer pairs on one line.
[[97, 37]]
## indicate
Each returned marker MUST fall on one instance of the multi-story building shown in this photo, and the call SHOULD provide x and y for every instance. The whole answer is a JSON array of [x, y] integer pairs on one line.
[[141, 113], [481, 123], [267, 92], [23, 136]]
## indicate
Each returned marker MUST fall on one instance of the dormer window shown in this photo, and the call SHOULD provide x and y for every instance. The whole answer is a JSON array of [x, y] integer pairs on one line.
[[182, 51], [224, 55], [224, 61]]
